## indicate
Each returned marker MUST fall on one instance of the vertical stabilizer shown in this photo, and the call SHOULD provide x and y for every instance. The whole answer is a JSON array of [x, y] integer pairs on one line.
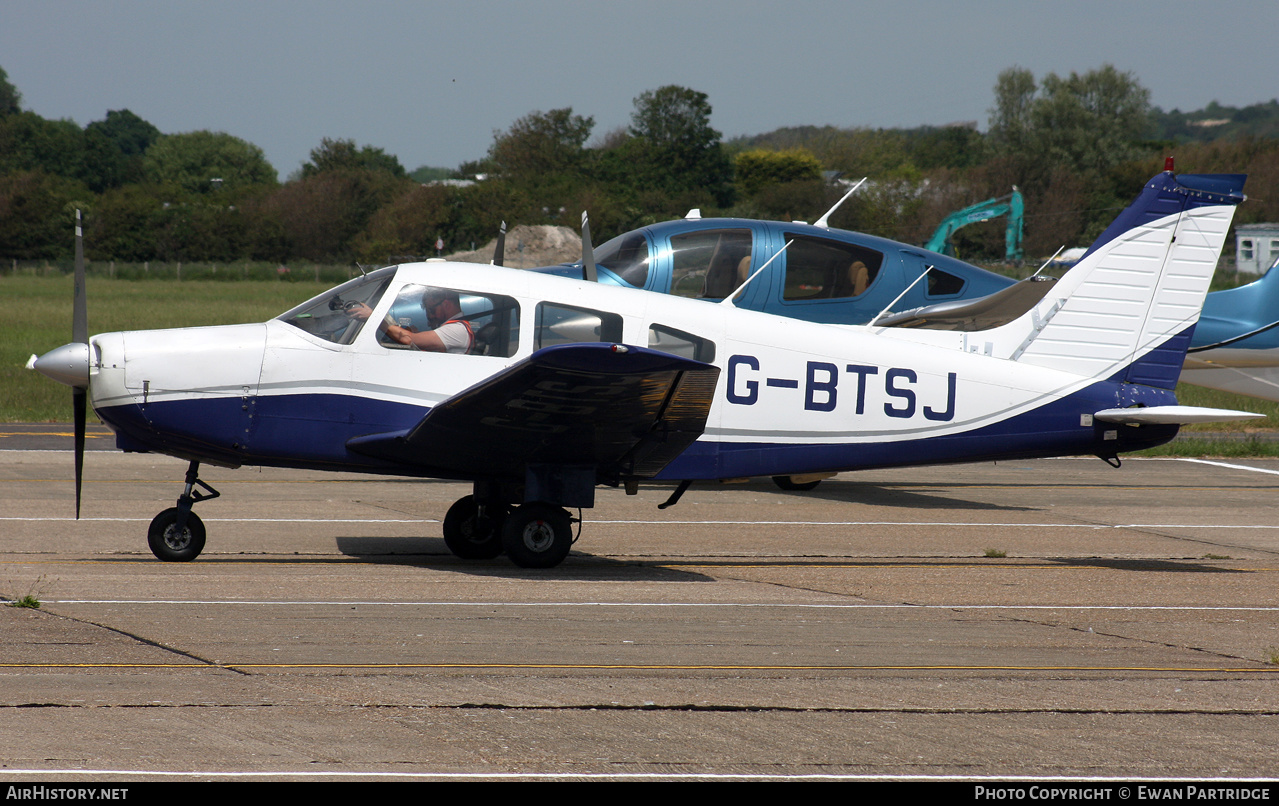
[[1128, 308]]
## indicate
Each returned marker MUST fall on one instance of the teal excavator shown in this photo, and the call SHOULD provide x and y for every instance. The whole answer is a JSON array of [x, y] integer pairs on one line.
[[1011, 205]]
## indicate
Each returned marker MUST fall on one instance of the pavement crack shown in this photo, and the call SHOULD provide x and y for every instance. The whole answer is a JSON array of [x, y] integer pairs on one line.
[[147, 642]]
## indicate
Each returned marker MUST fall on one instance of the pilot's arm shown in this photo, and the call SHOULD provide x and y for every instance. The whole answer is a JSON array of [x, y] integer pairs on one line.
[[423, 341], [426, 340]]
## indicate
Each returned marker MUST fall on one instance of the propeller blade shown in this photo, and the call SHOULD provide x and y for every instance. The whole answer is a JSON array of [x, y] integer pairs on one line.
[[80, 311], [499, 251], [79, 333], [79, 402], [588, 252]]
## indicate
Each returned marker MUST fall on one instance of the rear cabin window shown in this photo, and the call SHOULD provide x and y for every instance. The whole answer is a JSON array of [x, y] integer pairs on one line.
[[678, 342], [820, 269], [944, 284], [567, 324], [710, 264]]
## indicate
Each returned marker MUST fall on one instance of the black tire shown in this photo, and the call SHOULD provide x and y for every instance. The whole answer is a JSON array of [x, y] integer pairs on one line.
[[789, 486], [168, 545], [537, 536], [467, 537]]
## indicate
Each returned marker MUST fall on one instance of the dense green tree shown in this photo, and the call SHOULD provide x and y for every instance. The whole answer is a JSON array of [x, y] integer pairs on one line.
[[37, 215], [1086, 123], [957, 146], [1093, 121], [784, 185], [1011, 123], [408, 224], [126, 131], [113, 149], [334, 155], [676, 146], [540, 144], [320, 215], [759, 168], [123, 225], [29, 142], [196, 161], [10, 98]]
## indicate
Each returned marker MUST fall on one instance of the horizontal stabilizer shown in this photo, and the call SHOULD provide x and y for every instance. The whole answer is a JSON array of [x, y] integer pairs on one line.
[[626, 411], [1172, 415]]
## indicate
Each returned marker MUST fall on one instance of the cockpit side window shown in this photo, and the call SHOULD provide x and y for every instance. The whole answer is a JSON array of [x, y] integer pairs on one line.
[[329, 316], [710, 264], [821, 269], [627, 257], [467, 322]]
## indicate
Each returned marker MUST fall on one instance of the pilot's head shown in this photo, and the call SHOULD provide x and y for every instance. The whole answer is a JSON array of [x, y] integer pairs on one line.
[[440, 305]]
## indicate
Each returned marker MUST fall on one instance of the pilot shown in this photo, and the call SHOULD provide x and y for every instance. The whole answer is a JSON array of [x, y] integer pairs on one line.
[[448, 334]]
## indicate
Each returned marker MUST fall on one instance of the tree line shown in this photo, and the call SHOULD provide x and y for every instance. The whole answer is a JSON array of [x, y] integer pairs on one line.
[[1078, 147]]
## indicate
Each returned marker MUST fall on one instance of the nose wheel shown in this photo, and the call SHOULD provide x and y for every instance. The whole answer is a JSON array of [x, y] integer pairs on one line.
[[176, 535], [173, 543]]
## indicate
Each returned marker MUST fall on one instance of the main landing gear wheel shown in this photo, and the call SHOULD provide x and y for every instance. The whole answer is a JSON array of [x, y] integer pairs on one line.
[[175, 546], [537, 536], [788, 485], [470, 536]]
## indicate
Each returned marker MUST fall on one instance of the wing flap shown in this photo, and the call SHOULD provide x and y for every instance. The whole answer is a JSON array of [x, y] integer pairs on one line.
[[626, 411]]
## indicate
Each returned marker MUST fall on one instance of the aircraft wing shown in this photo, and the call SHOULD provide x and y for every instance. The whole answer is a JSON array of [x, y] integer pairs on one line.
[[624, 411], [982, 313]]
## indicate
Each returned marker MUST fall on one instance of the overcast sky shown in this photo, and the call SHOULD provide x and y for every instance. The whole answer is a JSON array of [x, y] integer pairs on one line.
[[430, 81]]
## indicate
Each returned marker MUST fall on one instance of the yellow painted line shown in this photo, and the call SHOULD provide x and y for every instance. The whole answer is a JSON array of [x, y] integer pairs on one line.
[[1068, 564], [654, 667], [88, 435]]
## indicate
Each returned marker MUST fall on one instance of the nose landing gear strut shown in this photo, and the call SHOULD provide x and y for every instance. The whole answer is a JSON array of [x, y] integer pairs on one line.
[[177, 534]]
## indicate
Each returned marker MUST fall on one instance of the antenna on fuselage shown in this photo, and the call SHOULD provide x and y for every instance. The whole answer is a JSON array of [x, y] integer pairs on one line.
[[824, 221], [499, 251], [737, 292], [922, 275], [1049, 260], [588, 252]]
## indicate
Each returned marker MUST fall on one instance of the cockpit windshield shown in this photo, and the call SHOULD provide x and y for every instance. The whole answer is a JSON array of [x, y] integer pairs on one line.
[[627, 257], [331, 315]]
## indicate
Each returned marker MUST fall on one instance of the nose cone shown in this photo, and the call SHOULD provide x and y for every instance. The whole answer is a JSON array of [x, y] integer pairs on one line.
[[67, 364]]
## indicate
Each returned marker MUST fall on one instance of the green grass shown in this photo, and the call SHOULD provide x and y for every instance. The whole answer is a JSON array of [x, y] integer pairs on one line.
[[38, 318]]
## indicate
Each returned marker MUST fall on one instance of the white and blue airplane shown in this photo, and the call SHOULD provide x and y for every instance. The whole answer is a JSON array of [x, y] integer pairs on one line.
[[562, 384]]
